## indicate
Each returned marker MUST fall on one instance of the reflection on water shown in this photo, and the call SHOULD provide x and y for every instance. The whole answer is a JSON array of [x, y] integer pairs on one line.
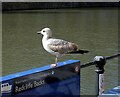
[[93, 29]]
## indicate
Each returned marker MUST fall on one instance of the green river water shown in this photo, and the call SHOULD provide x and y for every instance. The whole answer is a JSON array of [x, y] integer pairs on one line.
[[94, 29]]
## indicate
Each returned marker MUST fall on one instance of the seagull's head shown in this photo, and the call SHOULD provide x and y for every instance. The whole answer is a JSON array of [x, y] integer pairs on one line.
[[45, 32]]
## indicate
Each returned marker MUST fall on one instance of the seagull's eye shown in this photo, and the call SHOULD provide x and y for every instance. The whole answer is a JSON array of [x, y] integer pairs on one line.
[[43, 31]]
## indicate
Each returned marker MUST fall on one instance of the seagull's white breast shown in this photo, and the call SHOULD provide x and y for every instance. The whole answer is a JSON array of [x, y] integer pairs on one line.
[[45, 43]]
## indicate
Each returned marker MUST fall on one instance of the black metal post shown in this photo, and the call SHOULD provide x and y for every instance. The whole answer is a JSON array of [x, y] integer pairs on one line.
[[100, 62]]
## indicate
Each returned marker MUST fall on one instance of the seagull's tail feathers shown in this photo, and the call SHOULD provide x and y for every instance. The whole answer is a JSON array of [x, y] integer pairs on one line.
[[78, 52]]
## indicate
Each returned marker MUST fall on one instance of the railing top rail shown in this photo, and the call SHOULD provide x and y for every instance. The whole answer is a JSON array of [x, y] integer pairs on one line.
[[94, 62]]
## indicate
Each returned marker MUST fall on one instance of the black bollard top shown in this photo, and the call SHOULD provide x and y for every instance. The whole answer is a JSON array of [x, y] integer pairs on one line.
[[100, 62]]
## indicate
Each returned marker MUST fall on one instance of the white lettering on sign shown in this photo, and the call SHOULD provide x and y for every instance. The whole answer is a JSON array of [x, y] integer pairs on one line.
[[23, 87], [29, 85], [39, 83]]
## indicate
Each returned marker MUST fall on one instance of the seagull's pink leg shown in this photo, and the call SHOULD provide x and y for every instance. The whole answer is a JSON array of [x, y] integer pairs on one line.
[[54, 65]]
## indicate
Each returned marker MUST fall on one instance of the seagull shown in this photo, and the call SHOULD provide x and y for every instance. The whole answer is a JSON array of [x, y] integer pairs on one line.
[[58, 47]]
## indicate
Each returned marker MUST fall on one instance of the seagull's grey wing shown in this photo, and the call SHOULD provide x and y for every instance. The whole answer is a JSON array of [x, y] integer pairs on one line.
[[61, 46]]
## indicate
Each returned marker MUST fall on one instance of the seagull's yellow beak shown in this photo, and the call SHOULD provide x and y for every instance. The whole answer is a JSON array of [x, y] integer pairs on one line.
[[39, 32]]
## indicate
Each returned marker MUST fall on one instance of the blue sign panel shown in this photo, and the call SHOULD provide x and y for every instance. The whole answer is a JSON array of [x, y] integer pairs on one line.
[[115, 92], [62, 80]]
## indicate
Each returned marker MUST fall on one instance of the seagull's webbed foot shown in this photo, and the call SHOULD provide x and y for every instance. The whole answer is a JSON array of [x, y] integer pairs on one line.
[[53, 65]]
